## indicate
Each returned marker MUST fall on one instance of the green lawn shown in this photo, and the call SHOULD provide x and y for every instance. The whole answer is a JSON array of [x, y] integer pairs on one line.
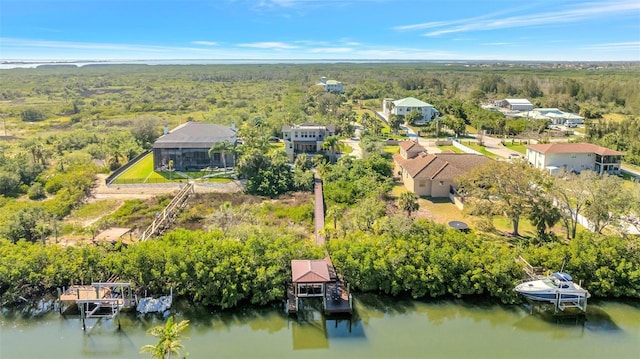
[[392, 149], [139, 171], [481, 149], [516, 147], [450, 149], [142, 172], [344, 148]]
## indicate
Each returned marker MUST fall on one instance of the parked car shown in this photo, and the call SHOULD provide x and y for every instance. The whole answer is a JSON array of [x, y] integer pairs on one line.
[[571, 124]]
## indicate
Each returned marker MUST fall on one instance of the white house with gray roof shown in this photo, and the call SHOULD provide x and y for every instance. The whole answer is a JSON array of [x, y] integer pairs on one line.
[[330, 85], [188, 147], [406, 105]]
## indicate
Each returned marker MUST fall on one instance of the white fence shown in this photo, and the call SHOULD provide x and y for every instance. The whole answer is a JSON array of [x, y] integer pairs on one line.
[[464, 148]]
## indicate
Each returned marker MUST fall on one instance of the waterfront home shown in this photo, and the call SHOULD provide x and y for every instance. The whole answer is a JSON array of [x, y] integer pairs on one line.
[[188, 147], [305, 138], [432, 175], [574, 157]]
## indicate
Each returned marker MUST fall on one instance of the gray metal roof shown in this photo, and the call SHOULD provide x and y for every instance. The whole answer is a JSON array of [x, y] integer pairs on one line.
[[195, 135]]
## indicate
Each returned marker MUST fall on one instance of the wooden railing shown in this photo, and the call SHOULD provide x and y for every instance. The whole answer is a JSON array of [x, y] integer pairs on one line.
[[169, 213]]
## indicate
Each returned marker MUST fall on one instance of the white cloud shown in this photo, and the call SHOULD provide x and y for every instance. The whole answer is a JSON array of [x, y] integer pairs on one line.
[[205, 43], [494, 21], [268, 45], [615, 46], [334, 50]]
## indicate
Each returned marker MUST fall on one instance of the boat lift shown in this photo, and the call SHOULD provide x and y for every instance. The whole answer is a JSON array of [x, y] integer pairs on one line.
[[99, 300], [563, 300]]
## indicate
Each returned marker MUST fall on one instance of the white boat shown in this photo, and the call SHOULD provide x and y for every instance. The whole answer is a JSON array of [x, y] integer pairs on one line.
[[557, 287]]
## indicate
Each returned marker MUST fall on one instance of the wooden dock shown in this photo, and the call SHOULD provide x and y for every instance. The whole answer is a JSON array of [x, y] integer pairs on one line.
[[337, 299], [98, 300]]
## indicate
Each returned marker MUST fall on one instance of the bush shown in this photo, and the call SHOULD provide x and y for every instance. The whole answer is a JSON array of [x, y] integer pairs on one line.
[[36, 191], [32, 115]]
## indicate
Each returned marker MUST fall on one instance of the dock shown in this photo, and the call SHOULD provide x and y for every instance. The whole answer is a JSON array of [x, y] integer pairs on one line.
[[98, 300], [337, 299], [318, 278]]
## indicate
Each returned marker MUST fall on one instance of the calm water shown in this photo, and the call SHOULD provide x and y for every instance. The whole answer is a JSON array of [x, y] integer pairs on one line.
[[382, 328]]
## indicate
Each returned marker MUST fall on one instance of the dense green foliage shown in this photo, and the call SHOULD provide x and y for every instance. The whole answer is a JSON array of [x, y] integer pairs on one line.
[[622, 136], [423, 260], [205, 267]]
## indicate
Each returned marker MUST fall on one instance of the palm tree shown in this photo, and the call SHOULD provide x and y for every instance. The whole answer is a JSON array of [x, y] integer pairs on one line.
[[331, 143], [169, 336], [223, 147], [408, 201]]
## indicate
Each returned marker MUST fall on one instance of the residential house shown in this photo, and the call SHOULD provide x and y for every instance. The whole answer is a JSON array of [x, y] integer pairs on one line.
[[554, 115], [305, 138], [432, 175], [574, 157], [188, 147], [331, 85], [516, 104], [406, 105]]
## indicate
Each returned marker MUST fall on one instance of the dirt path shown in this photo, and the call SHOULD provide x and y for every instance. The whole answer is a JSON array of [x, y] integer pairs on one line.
[[146, 191]]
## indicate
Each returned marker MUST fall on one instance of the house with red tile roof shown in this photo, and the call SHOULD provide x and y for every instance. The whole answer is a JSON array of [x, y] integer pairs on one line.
[[432, 175], [574, 157]]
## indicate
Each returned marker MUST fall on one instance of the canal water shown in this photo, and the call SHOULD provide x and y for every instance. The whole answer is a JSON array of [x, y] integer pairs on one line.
[[381, 328]]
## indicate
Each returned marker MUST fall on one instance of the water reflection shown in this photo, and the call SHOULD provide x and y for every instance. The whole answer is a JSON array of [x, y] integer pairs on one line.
[[380, 327], [310, 329]]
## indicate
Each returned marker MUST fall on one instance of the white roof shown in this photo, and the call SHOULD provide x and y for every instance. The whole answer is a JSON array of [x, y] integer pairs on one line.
[[518, 101]]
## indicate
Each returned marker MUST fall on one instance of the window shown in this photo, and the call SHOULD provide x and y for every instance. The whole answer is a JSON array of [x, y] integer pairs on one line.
[[442, 183], [422, 183]]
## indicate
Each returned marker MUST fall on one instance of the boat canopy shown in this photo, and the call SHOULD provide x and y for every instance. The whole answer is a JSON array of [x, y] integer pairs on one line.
[[562, 276]]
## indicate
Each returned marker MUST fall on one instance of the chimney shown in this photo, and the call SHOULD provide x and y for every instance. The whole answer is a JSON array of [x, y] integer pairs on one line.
[[166, 128]]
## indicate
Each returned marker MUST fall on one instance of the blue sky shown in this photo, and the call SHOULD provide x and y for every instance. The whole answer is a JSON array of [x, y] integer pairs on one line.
[[320, 29]]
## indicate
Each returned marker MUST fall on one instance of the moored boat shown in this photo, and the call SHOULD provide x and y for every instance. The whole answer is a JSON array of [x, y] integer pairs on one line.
[[558, 286]]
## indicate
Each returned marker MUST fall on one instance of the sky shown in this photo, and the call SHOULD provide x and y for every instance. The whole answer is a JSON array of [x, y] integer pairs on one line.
[[546, 30]]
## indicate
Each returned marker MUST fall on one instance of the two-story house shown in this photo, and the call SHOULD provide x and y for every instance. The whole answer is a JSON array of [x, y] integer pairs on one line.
[[331, 85], [406, 105], [305, 138], [574, 157]]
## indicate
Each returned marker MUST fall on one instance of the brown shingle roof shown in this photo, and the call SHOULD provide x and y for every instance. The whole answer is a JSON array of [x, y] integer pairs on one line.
[[309, 271], [440, 166], [411, 145], [574, 148]]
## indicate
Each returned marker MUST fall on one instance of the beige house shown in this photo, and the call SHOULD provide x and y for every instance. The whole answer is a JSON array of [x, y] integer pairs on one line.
[[305, 138], [574, 157], [432, 175]]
